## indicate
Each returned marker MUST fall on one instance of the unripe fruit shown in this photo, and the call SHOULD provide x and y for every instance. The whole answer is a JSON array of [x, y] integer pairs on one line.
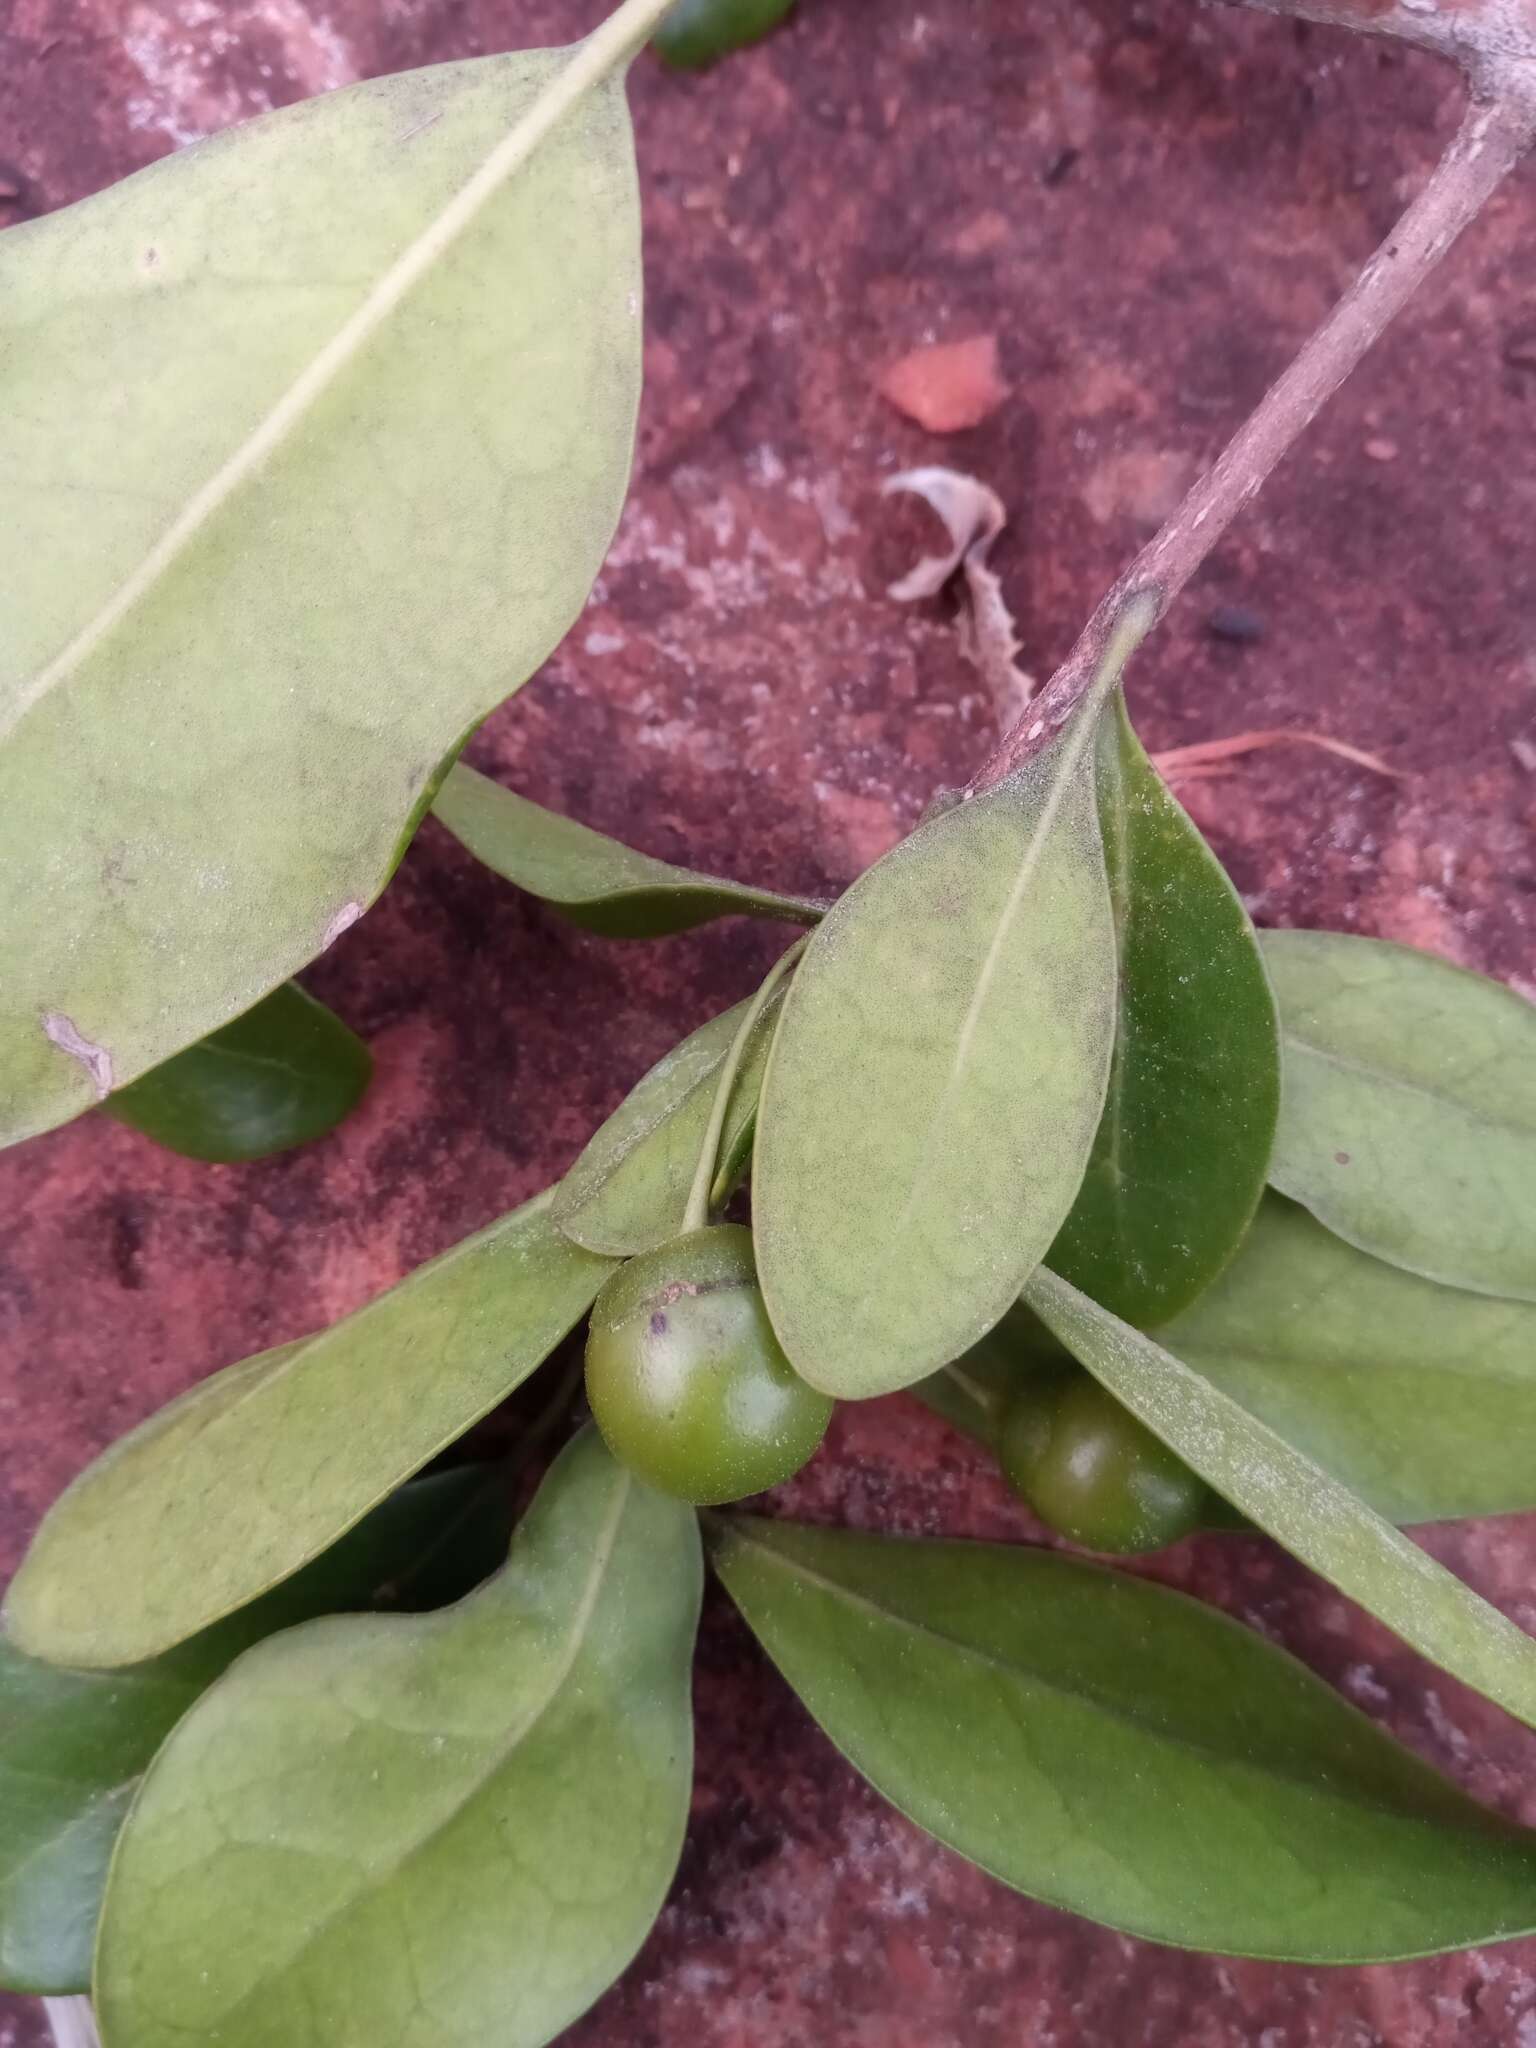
[[1094, 1473], [695, 33], [688, 1383]]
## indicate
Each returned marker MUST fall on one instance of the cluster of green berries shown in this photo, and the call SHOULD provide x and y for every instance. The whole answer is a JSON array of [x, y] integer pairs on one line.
[[692, 1391]]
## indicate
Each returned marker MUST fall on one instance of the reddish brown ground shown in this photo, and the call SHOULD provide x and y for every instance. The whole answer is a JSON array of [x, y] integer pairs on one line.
[[1147, 205]]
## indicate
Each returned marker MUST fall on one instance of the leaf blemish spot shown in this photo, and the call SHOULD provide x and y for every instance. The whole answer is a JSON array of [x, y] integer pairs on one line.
[[343, 921], [1341, 1159], [60, 1030]]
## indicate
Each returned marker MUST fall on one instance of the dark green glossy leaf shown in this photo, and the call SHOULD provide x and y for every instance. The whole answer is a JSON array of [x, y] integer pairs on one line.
[[287, 1071], [938, 1075], [291, 524], [697, 32], [238, 1483], [1408, 1122], [1420, 1398], [422, 1832], [1182, 1150], [1119, 1750], [629, 1188], [1293, 1499], [593, 880], [73, 1744]]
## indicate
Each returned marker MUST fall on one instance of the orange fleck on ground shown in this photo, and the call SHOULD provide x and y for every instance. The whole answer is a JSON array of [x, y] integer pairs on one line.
[[948, 386]]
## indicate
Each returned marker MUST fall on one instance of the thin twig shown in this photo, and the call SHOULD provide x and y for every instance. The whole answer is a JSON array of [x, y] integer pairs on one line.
[[1493, 41], [1209, 757], [1491, 140]]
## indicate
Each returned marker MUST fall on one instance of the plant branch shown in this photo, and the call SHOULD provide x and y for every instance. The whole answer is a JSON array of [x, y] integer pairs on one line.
[[1493, 41], [1491, 140]]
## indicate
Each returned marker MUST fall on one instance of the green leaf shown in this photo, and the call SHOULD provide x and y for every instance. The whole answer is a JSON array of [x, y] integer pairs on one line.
[[1294, 1500], [628, 1190], [1123, 1751], [695, 33], [1182, 1150], [593, 880], [1408, 1119], [938, 1074], [453, 1829], [73, 1744], [287, 1071], [1418, 1397], [238, 1483], [305, 483]]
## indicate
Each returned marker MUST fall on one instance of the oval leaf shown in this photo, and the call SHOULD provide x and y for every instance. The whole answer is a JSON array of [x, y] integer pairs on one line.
[[1126, 1752], [1418, 1397], [593, 880], [936, 1081], [1408, 1122], [287, 1071], [236, 1484], [451, 1829], [1294, 1500], [291, 524], [939, 1070], [629, 1188], [73, 1744], [1183, 1147]]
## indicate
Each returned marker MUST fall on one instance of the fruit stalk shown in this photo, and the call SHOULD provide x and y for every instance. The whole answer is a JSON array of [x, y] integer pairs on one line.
[[696, 1215]]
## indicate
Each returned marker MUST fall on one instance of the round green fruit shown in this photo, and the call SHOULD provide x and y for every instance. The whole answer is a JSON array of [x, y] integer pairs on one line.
[[1089, 1469], [687, 1381], [695, 33]]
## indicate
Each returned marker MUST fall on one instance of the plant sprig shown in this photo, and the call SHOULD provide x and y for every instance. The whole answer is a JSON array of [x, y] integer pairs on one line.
[[1019, 1090]]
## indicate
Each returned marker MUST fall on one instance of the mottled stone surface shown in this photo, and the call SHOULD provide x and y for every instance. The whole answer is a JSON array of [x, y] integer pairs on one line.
[[1148, 205]]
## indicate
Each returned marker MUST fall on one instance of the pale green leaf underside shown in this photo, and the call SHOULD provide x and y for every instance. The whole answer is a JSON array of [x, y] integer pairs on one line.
[[936, 1080], [313, 438], [596, 881], [456, 1829], [628, 1189], [1420, 1398], [73, 1744], [244, 1479], [1408, 1116], [1119, 1750], [1295, 1501]]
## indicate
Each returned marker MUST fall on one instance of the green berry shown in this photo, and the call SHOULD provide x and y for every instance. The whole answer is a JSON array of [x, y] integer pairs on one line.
[[1091, 1471], [688, 1383], [695, 33]]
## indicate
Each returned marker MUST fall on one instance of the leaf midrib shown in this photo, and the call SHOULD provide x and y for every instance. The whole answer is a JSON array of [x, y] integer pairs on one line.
[[1067, 766], [1156, 1733], [1384, 1078], [581, 1623], [1305, 1363], [51, 1842], [593, 59]]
